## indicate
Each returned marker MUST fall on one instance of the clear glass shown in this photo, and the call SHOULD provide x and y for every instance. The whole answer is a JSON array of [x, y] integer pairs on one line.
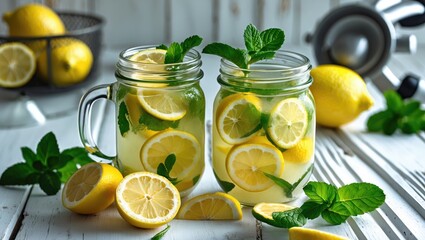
[[160, 118], [255, 166]]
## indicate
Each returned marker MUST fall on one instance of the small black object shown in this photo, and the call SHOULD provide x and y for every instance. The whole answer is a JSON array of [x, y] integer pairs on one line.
[[414, 21], [409, 85]]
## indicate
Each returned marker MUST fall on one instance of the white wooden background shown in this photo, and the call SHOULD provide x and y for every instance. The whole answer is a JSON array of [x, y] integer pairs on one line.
[[140, 22]]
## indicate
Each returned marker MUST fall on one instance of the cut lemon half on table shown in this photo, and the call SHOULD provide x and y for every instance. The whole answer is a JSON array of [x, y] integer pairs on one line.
[[91, 188], [300, 233], [211, 206], [155, 56], [238, 117], [17, 65], [163, 104], [287, 123], [263, 211], [248, 163], [183, 145], [147, 200]]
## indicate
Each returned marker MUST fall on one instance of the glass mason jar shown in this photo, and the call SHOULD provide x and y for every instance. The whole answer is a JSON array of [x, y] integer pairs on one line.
[[160, 118], [264, 129]]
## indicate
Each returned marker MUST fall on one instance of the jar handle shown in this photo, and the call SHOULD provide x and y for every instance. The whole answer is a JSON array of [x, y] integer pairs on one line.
[[84, 118]]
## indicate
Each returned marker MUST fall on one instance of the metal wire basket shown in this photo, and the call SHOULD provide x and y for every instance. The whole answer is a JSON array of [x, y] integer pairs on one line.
[[84, 27]]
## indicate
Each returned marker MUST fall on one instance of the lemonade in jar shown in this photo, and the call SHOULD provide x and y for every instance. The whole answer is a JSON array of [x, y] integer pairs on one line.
[[263, 132], [160, 114]]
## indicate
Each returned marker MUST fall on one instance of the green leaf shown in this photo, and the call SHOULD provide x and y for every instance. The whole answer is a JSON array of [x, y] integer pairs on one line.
[[360, 198], [162, 170], [295, 185], [410, 107], [28, 155], [226, 186], [289, 218], [375, 123], [252, 38], [286, 186], [190, 42], [174, 53], [156, 124], [50, 182], [17, 174], [261, 56], [161, 234], [39, 166], [390, 125], [236, 56], [170, 160], [333, 217], [123, 124], [321, 192], [79, 157], [394, 101], [273, 39], [313, 209], [196, 102], [162, 46], [47, 147], [196, 179], [59, 162], [411, 124]]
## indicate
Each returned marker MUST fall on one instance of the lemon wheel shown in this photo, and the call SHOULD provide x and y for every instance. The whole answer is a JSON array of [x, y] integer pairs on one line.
[[17, 65], [154, 56], [163, 104]]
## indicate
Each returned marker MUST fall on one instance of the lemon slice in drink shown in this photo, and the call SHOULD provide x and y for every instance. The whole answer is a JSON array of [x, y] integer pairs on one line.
[[155, 56], [247, 164], [302, 152], [238, 117], [91, 188], [211, 206], [17, 65], [147, 200], [163, 104], [287, 123], [263, 211], [300, 233], [183, 145]]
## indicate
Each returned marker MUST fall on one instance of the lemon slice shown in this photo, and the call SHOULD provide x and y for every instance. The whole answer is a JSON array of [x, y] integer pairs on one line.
[[91, 188], [300, 233], [263, 211], [147, 200], [155, 56], [162, 104], [211, 206], [288, 123], [183, 145], [302, 152], [247, 163], [17, 65], [238, 117]]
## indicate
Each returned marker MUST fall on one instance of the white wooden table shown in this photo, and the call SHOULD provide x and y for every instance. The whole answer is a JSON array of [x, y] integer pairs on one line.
[[350, 154]]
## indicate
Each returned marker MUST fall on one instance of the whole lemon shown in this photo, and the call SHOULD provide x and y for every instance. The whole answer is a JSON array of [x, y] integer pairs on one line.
[[33, 20], [340, 95], [71, 61]]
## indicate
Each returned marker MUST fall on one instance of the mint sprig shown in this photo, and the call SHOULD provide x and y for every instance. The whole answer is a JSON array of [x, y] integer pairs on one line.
[[334, 205], [176, 51], [48, 166], [164, 169], [259, 46], [405, 115]]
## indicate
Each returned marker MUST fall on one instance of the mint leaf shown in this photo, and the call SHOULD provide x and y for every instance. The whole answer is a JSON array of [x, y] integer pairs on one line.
[[161, 234], [156, 124], [47, 147], [390, 125], [28, 155], [58, 161], [123, 124], [375, 123], [321, 192], [196, 102], [235, 55], [394, 101], [164, 169], [410, 107], [174, 53], [79, 158], [196, 179], [50, 182], [162, 46], [272, 39], [313, 209], [226, 186], [190, 42], [17, 174], [286, 186], [261, 56], [295, 185], [289, 218], [360, 198], [170, 161], [334, 218], [252, 38]]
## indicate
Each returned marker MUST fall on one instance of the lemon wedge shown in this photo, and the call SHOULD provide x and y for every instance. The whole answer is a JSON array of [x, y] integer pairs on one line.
[[300, 233]]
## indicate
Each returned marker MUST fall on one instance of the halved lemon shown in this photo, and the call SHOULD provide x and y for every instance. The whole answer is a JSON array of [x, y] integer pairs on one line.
[[247, 164], [263, 211], [17, 64], [301, 233], [91, 188], [162, 103], [183, 145], [147, 200], [287, 123], [211, 206], [155, 56], [238, 117]]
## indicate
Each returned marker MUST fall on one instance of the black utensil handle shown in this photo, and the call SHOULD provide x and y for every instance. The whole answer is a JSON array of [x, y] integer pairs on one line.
[[414, 21]]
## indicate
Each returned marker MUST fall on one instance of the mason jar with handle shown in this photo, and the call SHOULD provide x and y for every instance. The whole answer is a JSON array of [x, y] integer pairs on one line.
[[264, 129], [160, 116]]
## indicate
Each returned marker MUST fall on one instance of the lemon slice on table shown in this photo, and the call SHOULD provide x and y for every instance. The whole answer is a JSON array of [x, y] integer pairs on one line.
[[263, 211], [300, 233], [247, 164], [163, 104], [155, 56], [183, 145], [238, 117], [287, 123], [91, 188], [17, 65], [211, 206], [147, 200]]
